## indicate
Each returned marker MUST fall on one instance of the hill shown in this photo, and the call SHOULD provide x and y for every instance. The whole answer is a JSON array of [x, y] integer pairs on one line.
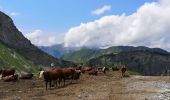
[[143, 62], [85, 54], [10, 58], [14, 39]]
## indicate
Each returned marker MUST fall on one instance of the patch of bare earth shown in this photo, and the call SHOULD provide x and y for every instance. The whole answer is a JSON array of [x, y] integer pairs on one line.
[[109, 86]]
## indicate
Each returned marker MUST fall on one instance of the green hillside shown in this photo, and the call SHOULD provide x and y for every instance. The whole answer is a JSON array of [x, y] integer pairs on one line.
[[10, 58], [84, 54], [143, 62], [79, 56]]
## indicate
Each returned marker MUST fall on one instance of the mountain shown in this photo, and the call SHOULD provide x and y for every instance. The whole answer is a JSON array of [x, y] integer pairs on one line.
[[57, 50], [13, 39], [143, 62], [10, 58], [85, 54]]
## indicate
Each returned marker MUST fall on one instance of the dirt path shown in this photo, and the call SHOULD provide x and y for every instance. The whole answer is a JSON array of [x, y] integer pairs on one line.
[[102, 87]]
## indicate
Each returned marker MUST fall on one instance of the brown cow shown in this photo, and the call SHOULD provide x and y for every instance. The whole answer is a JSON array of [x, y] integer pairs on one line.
[[77, 74], [54, 74], [7, 72], [0, 71], [86, 69], [10, 78], [78, 68], [26, 76], [123, 70], [68, 73], [93, 72]]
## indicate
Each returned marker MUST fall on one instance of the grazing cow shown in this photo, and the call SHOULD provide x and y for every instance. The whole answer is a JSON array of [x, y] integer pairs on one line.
[[78, 68], [99, 69], [93, 72], [102, 69], [123, 70], [41, 74], [86, 69], [10, 78], [7, 72], [26, 76], [52, 75]]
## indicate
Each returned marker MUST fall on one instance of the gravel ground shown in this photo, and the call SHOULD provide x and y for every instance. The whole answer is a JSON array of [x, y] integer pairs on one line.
[[108, 86], [150, 88]]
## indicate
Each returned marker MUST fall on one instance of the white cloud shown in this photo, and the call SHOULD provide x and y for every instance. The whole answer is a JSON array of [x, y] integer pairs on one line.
[[101, 10], [41, 38], [148, 26], [34, 37], [51, 40], [15, 13]]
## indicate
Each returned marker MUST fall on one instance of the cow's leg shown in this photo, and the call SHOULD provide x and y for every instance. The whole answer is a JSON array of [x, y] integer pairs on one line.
[[59, 81], [46, 83], [122, 75], [50, 84], [55, 83], [64, 81]]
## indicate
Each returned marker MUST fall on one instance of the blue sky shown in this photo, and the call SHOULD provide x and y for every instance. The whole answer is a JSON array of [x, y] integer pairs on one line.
[[59, 15], [92, 23]]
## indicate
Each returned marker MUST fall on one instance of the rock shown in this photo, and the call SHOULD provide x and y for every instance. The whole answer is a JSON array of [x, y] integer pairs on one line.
[[79, 96]]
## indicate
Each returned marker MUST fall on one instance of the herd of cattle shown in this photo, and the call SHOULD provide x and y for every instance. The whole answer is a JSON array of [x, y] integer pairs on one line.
[[55, 75]]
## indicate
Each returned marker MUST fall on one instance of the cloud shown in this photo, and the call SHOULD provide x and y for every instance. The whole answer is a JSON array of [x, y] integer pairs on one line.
[[148, 26], [15, 14], [34, 37], [41, 38], [51, 40], [101, 10]]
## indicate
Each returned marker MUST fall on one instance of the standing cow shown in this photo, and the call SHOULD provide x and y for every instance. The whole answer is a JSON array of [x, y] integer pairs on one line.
[[123, 70], [54, 74]]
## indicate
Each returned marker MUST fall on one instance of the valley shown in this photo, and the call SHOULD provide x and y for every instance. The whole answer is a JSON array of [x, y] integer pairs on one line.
[[102, 87]]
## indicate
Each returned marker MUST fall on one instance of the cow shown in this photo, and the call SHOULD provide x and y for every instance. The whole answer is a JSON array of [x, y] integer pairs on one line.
[[77, 74], [26, 76], [0, 71], [7, 72], [54, 74], [68, 73], [41, 74], [93, 72], [123, 70], [78, 68], [102, 69], [10, 78], [86, 69]]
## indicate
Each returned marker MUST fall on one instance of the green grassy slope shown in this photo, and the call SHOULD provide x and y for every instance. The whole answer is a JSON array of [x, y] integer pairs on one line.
[[10, 58], [85, 54]]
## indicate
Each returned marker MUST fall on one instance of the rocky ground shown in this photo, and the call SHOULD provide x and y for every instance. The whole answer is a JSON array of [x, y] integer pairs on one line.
[[102, 87]]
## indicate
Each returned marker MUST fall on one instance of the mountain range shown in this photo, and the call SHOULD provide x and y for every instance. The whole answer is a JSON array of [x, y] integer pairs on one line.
[[141, 59]]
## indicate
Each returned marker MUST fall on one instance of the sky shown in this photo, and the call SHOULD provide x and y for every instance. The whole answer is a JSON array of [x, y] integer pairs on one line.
[[92, 23]]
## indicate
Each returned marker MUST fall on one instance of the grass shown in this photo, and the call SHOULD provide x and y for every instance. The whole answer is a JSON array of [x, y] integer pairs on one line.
[[10, 58], [132, 73]]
